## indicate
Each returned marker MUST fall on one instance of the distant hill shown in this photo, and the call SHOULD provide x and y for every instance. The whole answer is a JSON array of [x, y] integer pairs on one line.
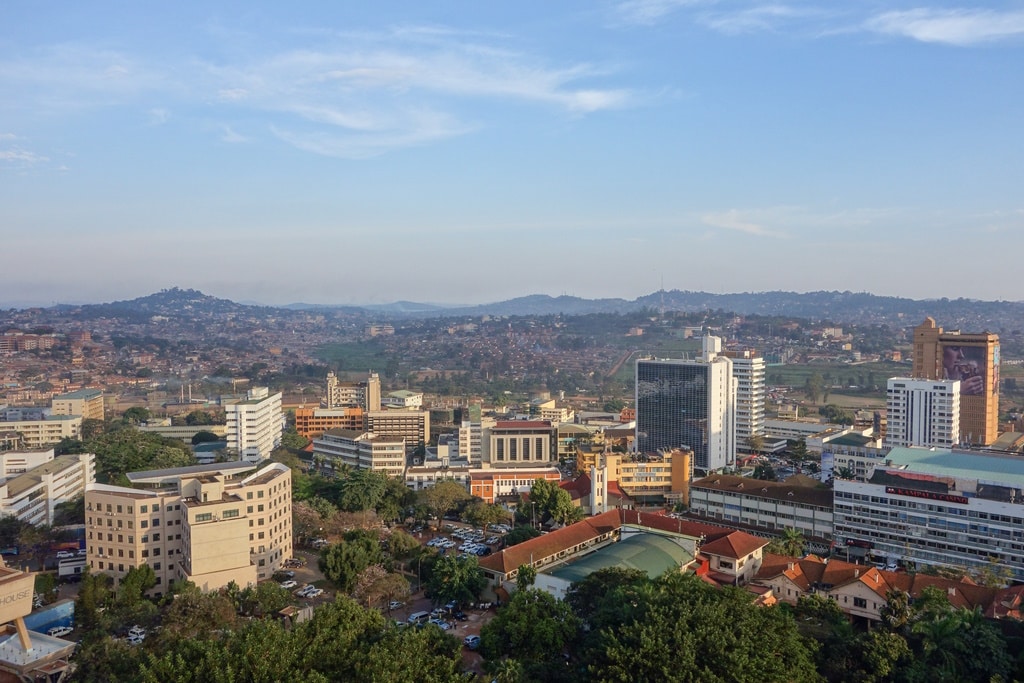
[[842, 307]]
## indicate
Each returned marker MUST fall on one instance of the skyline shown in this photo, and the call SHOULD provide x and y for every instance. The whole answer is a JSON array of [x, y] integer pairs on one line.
[[468, 154]]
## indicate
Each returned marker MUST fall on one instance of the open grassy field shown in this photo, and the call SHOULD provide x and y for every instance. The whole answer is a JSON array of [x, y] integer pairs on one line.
[[356, 357]]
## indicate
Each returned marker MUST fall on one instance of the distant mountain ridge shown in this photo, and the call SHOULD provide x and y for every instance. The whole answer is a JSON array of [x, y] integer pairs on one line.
[[849, 307]]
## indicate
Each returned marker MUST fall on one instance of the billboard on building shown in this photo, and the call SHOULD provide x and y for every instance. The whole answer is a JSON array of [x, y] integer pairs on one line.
[[968, 364]]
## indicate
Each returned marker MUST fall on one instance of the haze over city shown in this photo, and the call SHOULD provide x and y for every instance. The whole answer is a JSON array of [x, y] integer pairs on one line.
[[466, 153]]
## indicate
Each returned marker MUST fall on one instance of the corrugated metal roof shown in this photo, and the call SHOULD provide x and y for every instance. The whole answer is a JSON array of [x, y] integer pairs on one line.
[[650, 553]]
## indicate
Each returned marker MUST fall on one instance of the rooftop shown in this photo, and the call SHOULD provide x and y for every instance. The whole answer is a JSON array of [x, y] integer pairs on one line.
[[80, 394], [170, 476], [650, 553], [32, 478], [1006, 469]]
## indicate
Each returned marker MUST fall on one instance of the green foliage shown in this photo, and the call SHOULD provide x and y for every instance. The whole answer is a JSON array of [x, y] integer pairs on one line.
[[481, 514], [342, 562], [765, 473], [46, 584], [798, 449], [526, 575], [520, 534], [401, 545], [442, 497], [836, 415], [534, 629], [293, 440], [122, 449], [198, 418], [136, 415], [792, 544], [204, 437], [362, 490], [455, 578]]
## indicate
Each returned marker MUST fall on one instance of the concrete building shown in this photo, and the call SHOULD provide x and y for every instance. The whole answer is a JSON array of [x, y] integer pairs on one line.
[[85, 402], [15, 462], [974, 360], [209, 524], [650, 478], [254, 424], [471, 438], [689, 404], [25, 655], [413, 426], [44, 431], [182, 432], [520, 443], [313, 422], [768, 507], [33, 495], [748, 370], [922, 412], [364, 394], [363, 450], [402, 400], [493, 485], [936, 507]]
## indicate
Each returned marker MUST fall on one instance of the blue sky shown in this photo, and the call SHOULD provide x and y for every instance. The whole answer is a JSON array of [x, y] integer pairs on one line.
[[465, 152]]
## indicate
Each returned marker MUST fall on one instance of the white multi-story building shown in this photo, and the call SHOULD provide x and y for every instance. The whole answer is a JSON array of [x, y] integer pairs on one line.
[[254, 424], [33, 495], [748, 370], [362, 450], [403, 399], [688, 404], [471, 439], [922, 412], [364, 394], [927, 506], [38, 430]]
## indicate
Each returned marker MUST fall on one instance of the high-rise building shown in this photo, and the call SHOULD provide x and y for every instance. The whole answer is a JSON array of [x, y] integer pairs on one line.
[[922, 412], [254, 424], [748, 370], [411, 425], [974, 360], [688, 404], [364, 394]]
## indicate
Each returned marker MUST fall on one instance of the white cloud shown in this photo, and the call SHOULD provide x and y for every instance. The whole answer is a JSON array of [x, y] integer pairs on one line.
[[960, 27], [158, 116], [733, 220], [648, 12], [229, 135], [21, 157], [754, 19]]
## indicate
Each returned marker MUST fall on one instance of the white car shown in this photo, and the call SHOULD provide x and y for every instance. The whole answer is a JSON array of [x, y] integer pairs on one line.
[[64, 554], [395, 604], [443, 625], [137, 632], [315, 593], [289, 584], [59, 631], [136, 640]]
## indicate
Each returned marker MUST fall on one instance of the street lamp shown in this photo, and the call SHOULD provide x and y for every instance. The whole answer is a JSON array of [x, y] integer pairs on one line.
[[533, 514]]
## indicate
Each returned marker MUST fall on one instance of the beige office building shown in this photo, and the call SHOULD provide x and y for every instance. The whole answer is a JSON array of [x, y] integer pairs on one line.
[[85, 402], [974, 360], [210, 524], [45, 431]]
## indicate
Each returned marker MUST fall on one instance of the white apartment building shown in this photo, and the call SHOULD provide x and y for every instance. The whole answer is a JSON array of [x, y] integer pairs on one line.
[[363, 450], [34, 495], [364, 394], [209, 524], [13, 463], [928, 506], [471, 438], [402, 399], [254, 424], [748, 369], [42, 430], [922, 412]]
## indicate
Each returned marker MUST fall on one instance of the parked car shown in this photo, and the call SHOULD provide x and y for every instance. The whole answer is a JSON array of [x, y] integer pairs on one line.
[[440, 623], [136, 632], [472, 642], [136, 640], [64, 554], [395, 604], [59, 631], [289, 584], [315, 593]]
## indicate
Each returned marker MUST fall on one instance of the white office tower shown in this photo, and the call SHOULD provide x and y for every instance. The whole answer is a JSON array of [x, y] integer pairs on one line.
[[922, 412], [254, 424], [688, 403], [748, 370]]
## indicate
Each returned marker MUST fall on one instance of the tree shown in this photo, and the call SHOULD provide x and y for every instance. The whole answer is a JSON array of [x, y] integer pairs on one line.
[[562, 509], [520, 534], [481, 514], [199, 418], [442, 497], [293, 440], [455, 578], [525, 576], [136, 415], [402, 546], [755, 443], [799, 450], [765, 473], [204, 437], [542, 494], [342, 562], [792, 543], [813, 387], [533, 629], [377, 585], [362, 490]]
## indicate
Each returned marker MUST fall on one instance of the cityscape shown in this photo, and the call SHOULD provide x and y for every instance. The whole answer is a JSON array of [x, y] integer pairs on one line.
[[458, 471], [612, 341]]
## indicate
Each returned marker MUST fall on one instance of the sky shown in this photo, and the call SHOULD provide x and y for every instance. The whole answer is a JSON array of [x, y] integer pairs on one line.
[[470, 152]]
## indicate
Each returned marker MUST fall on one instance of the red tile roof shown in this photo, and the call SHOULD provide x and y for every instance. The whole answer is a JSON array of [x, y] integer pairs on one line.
[[736, 545]]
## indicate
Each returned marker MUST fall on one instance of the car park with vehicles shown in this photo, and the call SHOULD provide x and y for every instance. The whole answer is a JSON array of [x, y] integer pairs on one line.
[[419, 617], [440, 623]]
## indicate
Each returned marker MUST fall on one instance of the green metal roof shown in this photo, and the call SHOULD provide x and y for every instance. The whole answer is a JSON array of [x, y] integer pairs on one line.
[[1006, 469], [651, 553]]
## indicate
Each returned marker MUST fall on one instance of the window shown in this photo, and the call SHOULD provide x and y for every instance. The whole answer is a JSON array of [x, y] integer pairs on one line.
[[156, 537], [144, 524], [248, 509], [860, 602], [204, 516], [144, 509], [229, 514], [156, 566], [118, 509], [259, 508], [248, 495]]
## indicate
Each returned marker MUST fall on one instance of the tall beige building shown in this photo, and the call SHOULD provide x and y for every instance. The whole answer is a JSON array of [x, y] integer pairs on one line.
[[85, 402], [973, 359], [209, 524]]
